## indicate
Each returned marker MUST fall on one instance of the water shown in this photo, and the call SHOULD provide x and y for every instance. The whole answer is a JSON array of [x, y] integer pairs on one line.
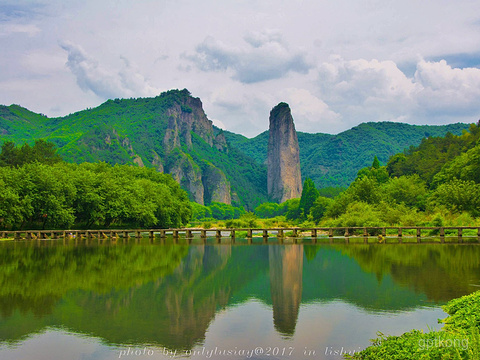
[[154, 301]]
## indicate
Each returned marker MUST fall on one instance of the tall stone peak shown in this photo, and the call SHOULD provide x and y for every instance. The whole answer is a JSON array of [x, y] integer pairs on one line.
[[284, 180]]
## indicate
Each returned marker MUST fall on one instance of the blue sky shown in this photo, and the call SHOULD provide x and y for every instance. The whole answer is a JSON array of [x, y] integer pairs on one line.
[[337, 63]]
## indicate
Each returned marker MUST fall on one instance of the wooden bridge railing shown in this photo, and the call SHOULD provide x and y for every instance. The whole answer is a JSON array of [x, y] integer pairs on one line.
[[381, 233]]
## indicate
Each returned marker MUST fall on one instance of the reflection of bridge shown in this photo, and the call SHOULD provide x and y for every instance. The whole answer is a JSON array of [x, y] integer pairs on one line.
[[368, 234]]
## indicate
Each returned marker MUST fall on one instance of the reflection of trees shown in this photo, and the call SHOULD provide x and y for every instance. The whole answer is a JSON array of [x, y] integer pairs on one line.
[[34, 278], [168, 295], [286, 269], [442, 272]]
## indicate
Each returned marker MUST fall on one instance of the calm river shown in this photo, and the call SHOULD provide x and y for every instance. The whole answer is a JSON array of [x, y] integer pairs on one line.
[[154, 301]]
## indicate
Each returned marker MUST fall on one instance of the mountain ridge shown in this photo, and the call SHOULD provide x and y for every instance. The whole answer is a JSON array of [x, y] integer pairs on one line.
[[171, 133]]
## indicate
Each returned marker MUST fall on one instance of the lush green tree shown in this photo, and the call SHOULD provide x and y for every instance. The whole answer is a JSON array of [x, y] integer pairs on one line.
[[458, 195], [309, 195], [409, 190], [292, 208], [268, 210], [200, 212], [319, 208]]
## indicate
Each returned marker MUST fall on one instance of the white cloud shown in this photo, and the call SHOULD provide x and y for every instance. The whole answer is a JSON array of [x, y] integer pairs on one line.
[[266, 57], [448, 90], [242, 58], [370, 90], [107, 84], [309, 111]]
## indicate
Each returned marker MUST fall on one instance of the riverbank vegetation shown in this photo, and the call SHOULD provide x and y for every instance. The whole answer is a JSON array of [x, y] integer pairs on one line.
[[458, 339], [39, 190], [434, 184]]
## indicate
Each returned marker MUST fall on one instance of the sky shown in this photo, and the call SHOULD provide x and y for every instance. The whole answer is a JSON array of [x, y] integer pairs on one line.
[[336, 63]]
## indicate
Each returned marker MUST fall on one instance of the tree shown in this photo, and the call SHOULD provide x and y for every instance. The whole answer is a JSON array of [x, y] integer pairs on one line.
[[309, 195]]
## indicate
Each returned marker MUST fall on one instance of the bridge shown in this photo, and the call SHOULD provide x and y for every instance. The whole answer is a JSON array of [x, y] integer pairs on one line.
[[417, 234]]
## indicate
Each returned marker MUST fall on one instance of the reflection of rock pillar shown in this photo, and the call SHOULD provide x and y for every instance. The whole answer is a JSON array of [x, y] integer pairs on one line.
[[286, 269]]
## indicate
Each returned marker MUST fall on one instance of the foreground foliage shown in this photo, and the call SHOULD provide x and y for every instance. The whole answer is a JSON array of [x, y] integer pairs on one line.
[[458, 339]]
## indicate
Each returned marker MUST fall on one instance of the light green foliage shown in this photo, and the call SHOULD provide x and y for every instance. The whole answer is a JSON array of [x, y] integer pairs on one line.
[[409, 190], [319, 208], [293, 209], [268, 210], [459, 195], [200, 212], [466, 167], [359, 214], [86, 195], [215, 210]]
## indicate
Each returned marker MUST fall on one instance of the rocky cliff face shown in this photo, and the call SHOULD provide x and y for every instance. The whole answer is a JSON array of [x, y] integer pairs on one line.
[[206, 183], [284, 180]]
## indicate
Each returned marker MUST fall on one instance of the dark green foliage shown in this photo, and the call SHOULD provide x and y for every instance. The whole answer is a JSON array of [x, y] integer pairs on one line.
[[330, 192], [42, 151], [428, 158], [309, 195]]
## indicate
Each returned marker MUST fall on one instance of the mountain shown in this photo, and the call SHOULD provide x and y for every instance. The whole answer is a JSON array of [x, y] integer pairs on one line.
[[171, 133], [334, 160]]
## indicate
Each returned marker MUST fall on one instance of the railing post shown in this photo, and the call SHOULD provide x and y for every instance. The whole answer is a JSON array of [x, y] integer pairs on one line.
[[365, 235], [419, 235], [460, 239], [400, 235], [442, 235], [280, 233], [249, 233], [346, 236]]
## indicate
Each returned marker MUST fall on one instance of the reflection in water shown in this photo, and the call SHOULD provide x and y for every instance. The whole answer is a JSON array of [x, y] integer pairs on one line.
[[286, 268], [183, 297]]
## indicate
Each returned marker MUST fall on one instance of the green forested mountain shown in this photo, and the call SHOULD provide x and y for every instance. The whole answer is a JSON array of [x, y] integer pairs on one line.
[[334, 160], [169, 132], [172, 134]]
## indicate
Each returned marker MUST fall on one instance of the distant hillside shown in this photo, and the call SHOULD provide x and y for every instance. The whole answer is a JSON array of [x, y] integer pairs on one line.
[[334, 160], [171, 133]]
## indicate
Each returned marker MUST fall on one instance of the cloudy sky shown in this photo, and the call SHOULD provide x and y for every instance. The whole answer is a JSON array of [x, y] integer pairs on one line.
[[337, 63]]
